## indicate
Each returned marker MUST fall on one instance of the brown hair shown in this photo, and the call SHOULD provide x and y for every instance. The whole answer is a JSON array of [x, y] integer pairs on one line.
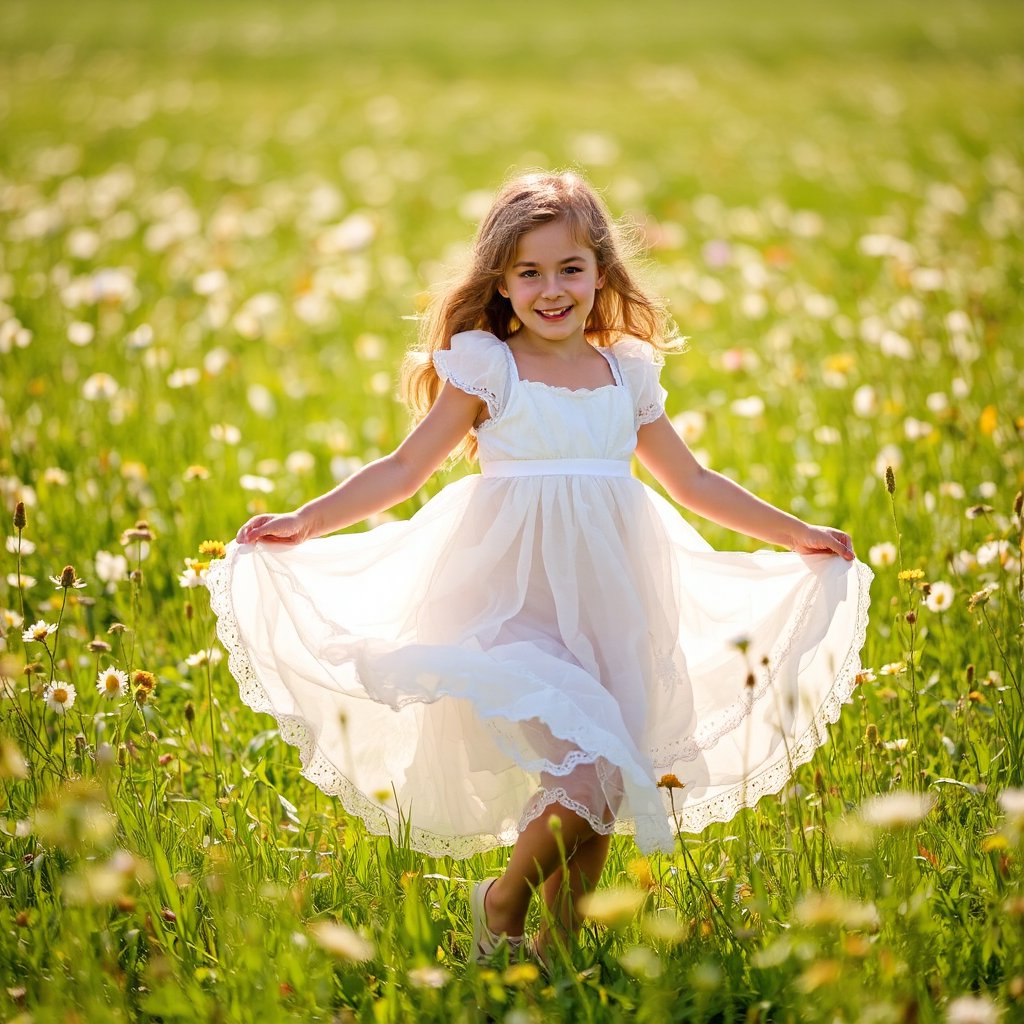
[[471, 301]]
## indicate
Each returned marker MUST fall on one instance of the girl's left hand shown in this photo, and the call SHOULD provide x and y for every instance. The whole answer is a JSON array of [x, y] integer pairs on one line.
[[817, 540]]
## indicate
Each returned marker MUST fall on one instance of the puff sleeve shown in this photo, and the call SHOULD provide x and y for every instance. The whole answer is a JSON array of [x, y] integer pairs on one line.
[[641, 365], [476, 363]]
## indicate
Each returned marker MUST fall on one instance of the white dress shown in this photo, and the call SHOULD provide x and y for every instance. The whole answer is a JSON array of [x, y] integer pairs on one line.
[[550, 629]]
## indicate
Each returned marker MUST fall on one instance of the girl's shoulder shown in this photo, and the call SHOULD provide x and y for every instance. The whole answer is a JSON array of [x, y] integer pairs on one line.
[[636, 349], [476, 340]]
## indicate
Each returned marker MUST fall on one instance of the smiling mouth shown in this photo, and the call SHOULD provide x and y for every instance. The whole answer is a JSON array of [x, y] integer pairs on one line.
[[554, 314]]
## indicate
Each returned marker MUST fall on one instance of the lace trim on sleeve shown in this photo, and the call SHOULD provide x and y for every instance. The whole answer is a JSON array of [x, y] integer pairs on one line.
[[649, 413], [442, 362]]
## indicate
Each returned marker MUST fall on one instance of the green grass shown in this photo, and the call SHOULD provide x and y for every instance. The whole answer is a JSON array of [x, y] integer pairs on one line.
[[861, 170]]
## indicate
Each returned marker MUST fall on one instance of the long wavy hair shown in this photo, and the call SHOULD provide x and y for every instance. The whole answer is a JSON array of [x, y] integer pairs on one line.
[[471, 300]]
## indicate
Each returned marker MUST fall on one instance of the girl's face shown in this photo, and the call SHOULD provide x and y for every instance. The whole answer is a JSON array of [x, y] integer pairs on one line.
[[551, 284]]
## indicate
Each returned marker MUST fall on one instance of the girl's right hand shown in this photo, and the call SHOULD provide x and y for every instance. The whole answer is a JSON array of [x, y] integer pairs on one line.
[[284, 528]]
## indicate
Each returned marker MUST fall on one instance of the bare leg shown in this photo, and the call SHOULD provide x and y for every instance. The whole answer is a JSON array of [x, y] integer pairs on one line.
[[584, 868], [534, 859]]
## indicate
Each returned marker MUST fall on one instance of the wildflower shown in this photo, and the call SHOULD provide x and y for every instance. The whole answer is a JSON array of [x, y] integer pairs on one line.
[[940, 597], [429, 977], [612, 906], [972, 1010], [342, 941], [670, 782], [13, 544], [39, 631], [98, 646], [993, 551], [112, 682], [140, 531], [67, 579], [895, 810], [639, 869], [194, 574], [871, 735], [829, 908], [12, 762], [204, 657], [980, 597], [110, 568], [143, 680], [22, 582], [116, 627], [1012, 803], [865, 676], [190, 712], [890, 480], [641, 962], [59, 696], [34, 668], [20, 519], [882, 555], [911, 574], [894, 668], [10, 619], [976, 511], [195, 472], [521, 974], [213, 548]]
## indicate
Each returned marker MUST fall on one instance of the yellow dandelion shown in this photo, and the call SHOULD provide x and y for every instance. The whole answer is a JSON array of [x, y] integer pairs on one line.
[[911, 574], [670, 781], [213, 548]]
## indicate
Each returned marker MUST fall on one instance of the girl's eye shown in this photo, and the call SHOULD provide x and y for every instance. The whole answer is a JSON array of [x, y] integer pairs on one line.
[[573, 270]]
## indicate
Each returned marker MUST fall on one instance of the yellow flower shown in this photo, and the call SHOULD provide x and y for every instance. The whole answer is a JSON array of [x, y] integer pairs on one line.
[[670, 781], [894, 668], [213, 548], [912, 574]]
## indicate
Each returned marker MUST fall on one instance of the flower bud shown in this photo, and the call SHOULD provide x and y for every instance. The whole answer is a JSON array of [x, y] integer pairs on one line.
[[67, 576], [871, 734], [1018, 504], [890, 480], [190, 712], [911, 617], [970, 674], [189, 611], [20, 520], [80, 743], [122, 755]]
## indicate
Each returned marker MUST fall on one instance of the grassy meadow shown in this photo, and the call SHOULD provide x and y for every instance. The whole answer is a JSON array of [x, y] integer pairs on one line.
[[217, 225]]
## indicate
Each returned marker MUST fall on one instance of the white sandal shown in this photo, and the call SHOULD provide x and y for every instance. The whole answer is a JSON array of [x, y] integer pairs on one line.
[[485, 942]]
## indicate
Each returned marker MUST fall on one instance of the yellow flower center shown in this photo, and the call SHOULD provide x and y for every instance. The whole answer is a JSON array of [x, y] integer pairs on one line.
[[112, 683], [60, 695]]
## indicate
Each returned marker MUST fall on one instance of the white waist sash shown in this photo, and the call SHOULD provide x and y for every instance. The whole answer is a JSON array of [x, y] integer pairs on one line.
[[555, 467]]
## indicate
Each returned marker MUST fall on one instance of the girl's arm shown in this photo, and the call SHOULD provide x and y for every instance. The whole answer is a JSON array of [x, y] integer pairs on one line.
[[716, 497], [379, 484]]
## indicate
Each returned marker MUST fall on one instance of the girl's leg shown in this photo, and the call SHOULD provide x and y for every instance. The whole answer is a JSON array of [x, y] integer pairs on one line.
[[535, 858], [584, 870]]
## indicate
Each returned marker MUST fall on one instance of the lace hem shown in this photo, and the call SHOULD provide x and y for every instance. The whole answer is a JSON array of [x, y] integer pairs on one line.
[[693, 817], [769, 780]]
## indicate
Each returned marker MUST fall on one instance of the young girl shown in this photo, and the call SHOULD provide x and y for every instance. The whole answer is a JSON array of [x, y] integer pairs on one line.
[[547, 638]]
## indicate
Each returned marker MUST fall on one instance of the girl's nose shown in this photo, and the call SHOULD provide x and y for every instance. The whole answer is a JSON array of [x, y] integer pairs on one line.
[[552, 288]]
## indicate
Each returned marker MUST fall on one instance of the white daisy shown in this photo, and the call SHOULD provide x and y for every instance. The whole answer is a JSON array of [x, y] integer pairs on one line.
[[940, 597], [59, 696], [896, 810], [39, 631], [112, 682], [882, 554]]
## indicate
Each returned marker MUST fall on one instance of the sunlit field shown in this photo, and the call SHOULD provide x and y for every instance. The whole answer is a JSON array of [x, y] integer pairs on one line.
[[217, 226]]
